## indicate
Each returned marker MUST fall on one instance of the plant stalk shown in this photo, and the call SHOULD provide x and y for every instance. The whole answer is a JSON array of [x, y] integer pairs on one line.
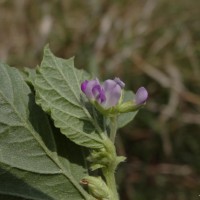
[[113, 128], [109, 174]]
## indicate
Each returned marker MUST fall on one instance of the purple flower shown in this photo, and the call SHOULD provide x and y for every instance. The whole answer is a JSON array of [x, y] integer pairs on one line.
[[107, 94], [141, 96], [93, 90]]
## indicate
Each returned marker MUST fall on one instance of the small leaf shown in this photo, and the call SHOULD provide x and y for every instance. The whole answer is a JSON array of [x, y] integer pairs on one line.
[[31, 165], [126, 117], [57, 87]]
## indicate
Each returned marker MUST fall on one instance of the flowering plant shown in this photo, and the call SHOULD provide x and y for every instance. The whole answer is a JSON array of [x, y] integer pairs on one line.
[[108, 97], [57, 126]]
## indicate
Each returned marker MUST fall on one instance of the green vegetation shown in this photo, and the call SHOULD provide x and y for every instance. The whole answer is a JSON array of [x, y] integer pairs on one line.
[[151, 43]]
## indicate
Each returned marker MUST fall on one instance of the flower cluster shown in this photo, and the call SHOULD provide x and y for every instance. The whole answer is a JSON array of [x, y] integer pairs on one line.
[[107, 98], [108, 94]]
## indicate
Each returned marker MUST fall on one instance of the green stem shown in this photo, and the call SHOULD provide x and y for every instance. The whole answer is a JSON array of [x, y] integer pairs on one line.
[[109, 174], [96, 123], [113, 128], [104, 126]]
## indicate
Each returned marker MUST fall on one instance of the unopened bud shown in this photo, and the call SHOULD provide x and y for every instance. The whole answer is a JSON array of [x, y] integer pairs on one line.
[[97, 187]]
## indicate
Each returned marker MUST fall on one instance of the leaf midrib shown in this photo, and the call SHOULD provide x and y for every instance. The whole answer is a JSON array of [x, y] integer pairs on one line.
[[57, 91], [63, 171], [84, 109]]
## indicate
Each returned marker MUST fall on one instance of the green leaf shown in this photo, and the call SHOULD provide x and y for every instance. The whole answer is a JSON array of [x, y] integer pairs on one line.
[[28, 74], [57, 87], [8, 197], [32, 165], [126, 117]]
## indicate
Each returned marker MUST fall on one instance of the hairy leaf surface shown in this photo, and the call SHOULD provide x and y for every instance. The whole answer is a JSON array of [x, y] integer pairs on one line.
[[31, 164], [126, 117], [57, 87]]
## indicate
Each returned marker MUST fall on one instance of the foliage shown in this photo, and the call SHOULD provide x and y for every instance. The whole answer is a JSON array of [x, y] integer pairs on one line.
[[36, 162], [154, 43]]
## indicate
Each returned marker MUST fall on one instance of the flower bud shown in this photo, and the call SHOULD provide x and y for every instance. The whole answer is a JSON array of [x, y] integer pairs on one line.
[[131, 106], [105, 157], [141, 96], [97, 187]]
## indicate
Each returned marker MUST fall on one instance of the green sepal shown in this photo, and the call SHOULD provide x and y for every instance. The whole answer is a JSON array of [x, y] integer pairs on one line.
[[105, 157], [128, 106], [97, 187], [120, 159], [94, 167]]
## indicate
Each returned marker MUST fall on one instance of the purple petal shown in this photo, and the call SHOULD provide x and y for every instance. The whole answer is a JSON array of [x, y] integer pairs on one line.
[[89, 87], [141, 96], [102, 97], [107, 95], [93, 90], [98, 93], [96, 90], [84, 85], [112, 93], [119, 82]]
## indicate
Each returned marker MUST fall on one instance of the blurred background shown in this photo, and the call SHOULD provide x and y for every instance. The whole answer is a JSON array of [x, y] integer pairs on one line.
[[150, 43]]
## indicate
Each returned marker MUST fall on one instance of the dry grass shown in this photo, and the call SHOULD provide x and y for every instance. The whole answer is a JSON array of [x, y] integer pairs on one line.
[[152, 43]]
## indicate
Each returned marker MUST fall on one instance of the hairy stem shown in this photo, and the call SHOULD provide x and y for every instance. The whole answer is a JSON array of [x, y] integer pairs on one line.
[[109, 174], [109, 171], [113, 128]]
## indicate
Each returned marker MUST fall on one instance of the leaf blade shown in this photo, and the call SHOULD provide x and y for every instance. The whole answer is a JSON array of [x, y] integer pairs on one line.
[[125, 118], [58, 92], [24, 153]]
